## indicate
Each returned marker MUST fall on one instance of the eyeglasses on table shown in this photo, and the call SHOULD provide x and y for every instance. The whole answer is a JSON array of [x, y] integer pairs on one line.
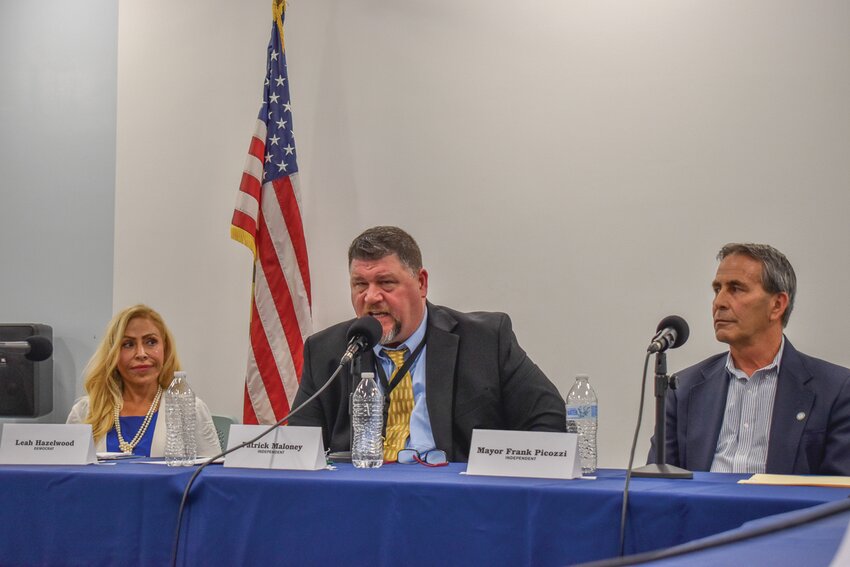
[[431, 458]]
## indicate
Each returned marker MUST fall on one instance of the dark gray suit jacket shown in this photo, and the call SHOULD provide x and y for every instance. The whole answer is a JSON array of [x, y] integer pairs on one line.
[[810, 427], [478, 377]]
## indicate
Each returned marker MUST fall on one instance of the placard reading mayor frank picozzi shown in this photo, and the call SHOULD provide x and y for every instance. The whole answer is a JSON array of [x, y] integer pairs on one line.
[[534, 454]]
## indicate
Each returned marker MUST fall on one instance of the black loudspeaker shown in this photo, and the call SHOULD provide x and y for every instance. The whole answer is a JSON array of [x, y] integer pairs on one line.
[[26, 387]]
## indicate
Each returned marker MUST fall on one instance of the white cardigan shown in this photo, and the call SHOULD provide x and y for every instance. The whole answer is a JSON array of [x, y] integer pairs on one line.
[[205, 433]]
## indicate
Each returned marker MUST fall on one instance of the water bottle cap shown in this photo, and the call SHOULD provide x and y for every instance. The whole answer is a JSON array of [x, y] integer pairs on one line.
[[180, 374], [367, 375], [582, 377]]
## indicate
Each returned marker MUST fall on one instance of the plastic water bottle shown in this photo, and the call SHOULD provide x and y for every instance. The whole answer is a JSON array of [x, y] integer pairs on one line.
[[367, 424], [582, 419], [180, 421]]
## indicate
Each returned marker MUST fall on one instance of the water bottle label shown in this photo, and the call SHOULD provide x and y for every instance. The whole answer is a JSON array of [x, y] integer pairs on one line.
[[581, 412]]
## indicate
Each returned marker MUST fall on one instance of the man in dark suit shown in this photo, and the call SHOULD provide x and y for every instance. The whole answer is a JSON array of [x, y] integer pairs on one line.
[[468, 370], [763, 406]]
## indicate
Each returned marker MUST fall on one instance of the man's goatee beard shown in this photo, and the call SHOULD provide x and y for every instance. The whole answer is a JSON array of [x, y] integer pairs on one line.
[[388, 337]]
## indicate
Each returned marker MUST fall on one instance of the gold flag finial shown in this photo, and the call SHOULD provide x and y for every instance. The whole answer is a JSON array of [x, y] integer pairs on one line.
[[278, 8]]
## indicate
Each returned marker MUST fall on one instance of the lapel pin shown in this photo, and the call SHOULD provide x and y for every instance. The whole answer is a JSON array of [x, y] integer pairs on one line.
[[801, 416]]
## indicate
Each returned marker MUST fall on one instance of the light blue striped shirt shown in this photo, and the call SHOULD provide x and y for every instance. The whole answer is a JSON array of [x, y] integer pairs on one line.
[[745, 433], [421, 437]]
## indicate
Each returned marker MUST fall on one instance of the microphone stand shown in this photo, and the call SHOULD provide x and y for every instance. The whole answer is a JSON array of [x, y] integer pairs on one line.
[[660, 469]]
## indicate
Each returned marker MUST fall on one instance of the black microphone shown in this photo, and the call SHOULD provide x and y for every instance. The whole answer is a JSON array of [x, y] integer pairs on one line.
[[34, 348], [673, 332], [363, 334]]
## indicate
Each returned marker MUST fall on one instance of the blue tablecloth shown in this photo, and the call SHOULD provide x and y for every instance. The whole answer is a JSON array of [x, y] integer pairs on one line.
[[813, 544], [88, 515], [398, 514]]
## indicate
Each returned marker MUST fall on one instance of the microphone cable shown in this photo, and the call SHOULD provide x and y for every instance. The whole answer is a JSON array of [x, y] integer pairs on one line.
[[808, 516], [632, 456], [228, 451], [801, 518]]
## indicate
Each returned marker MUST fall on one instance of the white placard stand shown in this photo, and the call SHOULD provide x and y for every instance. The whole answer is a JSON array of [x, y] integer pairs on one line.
[[287, 447], [534, 454], [46, 444]]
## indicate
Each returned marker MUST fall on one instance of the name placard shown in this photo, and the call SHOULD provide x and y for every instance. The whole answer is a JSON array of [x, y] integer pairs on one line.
[[534, 454], [287, 447], [46, 444]]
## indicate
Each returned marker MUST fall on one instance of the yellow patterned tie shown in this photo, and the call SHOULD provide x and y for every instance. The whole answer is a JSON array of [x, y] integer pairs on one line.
[[401, 406]]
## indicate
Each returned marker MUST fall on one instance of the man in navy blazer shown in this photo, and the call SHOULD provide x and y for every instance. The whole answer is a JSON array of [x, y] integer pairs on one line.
[[472, 374], [763, 406]]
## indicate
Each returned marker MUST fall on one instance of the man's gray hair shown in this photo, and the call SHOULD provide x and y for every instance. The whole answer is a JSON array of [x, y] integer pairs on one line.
[[381, 241], [777, 274]]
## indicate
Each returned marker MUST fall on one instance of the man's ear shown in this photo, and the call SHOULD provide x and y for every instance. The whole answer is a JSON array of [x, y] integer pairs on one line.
[[423, 282], [779, 306]]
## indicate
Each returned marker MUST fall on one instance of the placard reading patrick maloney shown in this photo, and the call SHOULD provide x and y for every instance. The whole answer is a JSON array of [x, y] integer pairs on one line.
[[535, 454], [291, 447]]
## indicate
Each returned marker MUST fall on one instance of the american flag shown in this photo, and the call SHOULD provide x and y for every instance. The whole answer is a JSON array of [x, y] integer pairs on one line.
[[267, 219]]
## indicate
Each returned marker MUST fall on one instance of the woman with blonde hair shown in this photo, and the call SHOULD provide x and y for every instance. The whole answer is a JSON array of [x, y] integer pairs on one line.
[[124, 383]]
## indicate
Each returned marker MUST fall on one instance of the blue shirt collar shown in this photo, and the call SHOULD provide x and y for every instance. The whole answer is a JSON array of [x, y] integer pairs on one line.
[[736, 372]]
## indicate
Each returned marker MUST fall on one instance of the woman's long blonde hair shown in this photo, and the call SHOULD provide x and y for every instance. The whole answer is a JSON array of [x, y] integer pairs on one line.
[[103, 383]]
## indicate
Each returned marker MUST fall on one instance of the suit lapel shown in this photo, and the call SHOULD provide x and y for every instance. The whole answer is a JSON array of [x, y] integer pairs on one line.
[[792, 399], [440, 359], [704, 426]]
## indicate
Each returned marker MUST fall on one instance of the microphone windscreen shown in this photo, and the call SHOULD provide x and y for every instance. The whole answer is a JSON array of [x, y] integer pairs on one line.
[[367, 327], [40, 348], [677, 324]]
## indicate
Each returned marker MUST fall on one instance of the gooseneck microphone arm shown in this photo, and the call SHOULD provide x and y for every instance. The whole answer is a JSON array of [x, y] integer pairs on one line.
[[203, 465], [363, 334]]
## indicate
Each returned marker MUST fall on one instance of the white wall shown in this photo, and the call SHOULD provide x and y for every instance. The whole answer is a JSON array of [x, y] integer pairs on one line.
[[575, 164], [57, 173]]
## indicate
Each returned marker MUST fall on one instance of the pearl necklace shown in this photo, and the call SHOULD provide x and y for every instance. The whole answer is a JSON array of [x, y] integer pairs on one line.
[[127, 448]]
